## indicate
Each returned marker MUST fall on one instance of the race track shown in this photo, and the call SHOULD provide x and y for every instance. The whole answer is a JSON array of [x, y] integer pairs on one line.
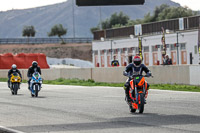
[[62, 109]]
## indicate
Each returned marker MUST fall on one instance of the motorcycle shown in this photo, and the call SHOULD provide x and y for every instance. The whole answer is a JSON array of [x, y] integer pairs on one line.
[[15, 81], [138, 93], [35, 84]]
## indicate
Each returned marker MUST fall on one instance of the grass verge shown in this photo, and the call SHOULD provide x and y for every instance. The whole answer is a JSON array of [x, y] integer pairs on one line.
[[90, 82]]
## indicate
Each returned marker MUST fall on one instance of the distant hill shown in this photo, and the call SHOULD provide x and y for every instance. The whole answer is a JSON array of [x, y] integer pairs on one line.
[[43, 18]]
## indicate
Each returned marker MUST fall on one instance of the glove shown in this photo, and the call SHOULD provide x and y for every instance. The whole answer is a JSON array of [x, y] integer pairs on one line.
[[149, 74], [125, 73]]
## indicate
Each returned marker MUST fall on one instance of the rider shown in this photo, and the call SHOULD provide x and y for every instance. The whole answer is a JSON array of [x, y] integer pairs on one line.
[[31, 70], [135, 68], [11, 71]]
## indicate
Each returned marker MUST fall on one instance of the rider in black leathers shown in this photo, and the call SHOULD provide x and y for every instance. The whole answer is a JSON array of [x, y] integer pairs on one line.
[[31, 70], [134, 68]]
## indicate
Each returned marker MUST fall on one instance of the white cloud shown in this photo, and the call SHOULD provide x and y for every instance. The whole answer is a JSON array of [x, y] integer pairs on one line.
[[24, 4], [193, 4]]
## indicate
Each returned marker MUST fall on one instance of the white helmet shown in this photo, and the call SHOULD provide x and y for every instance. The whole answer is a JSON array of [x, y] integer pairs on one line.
[[14, 66]]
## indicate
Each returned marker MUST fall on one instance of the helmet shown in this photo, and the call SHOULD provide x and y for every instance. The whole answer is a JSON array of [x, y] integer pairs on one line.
[[34, 64], [14, 66], [137, 61]]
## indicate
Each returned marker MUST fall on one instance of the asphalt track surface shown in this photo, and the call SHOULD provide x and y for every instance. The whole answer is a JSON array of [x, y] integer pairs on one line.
[[63, 109]]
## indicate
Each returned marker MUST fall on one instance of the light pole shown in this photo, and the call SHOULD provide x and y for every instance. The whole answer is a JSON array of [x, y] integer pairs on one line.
[[73, 19], [177, 45], [100, 15], [111, 45], [111, 41]]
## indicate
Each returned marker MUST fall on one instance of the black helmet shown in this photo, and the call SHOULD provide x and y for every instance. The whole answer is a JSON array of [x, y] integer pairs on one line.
[[34, 64], [137, 61]]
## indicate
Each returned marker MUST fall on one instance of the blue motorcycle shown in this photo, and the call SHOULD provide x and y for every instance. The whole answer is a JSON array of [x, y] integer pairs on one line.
[[35, 84]]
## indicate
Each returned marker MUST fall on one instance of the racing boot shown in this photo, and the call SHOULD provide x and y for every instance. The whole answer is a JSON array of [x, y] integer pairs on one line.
[[29, 87], [8, 84], [127, 97]]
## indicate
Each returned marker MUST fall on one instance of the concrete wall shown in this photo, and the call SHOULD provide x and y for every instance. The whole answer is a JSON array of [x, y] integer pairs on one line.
[[112, 75], [185, 74], [195, 75]]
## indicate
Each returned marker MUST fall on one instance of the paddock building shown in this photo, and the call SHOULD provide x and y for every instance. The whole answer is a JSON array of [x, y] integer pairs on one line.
[[181, 35]]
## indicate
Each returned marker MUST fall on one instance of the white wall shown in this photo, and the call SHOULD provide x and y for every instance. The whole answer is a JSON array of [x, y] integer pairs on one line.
[[195, 75], [185, 74]]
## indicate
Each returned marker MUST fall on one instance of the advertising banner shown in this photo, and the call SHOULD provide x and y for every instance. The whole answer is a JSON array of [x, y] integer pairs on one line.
[[163, 42], [140, 47]]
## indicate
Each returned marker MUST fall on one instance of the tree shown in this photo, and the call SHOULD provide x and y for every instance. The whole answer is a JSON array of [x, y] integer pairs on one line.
[[114, 21], [162, 12], [28, 31], [165, 12], [58, 30], [94, 29]]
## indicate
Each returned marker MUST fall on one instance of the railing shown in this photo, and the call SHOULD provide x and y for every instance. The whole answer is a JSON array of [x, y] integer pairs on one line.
[[43, 40], [190, 23]]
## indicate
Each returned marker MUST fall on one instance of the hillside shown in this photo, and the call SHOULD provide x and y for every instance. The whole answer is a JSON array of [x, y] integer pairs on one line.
[[43, 18]]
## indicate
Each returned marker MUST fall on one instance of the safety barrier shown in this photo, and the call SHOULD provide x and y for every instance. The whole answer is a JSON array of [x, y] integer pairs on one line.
[[186, 74], [22, 60]]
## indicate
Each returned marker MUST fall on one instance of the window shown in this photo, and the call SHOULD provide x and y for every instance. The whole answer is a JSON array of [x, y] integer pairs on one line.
[[136, 50], [195, 49], [172, 47], [146, 49], [95, 52], [154, 48], [182, 46], [161, 47]]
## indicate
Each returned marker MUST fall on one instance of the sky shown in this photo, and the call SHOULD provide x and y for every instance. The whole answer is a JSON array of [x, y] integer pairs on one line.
[[24, 4], [193, 4]]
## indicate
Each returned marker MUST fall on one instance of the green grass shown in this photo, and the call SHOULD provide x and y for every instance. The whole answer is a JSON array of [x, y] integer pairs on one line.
[[90, 82], [176, 87]]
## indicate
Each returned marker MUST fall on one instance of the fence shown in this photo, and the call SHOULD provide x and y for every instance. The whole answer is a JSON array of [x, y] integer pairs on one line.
[[149, 28]]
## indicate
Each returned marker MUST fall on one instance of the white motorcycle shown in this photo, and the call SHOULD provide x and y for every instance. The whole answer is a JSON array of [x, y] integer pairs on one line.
[[35, 84]]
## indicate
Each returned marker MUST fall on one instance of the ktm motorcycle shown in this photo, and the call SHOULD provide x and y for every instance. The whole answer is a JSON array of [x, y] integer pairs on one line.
[[138, 93]]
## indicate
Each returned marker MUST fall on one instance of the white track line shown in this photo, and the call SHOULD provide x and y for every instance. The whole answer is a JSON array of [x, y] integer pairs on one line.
[[9, 130]]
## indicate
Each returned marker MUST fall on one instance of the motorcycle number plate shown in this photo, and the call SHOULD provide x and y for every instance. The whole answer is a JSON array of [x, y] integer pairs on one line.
[[137, 77]]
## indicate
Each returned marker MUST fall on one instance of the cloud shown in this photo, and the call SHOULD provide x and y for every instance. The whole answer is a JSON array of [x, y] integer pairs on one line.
[[193, 4]]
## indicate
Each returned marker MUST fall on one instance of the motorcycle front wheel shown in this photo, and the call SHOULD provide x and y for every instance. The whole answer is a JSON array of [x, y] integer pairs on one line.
[[141, 103], [15, 87]]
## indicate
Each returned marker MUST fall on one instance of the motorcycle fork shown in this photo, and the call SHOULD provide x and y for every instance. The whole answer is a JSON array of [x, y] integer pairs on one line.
[[136, 93]]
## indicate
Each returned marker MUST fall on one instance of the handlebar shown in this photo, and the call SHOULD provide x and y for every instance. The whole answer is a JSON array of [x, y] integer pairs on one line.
[[133, 75], [138, 75]]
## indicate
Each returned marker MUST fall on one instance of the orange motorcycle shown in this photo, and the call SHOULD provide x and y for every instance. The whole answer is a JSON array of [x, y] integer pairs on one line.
[[138, 93]]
